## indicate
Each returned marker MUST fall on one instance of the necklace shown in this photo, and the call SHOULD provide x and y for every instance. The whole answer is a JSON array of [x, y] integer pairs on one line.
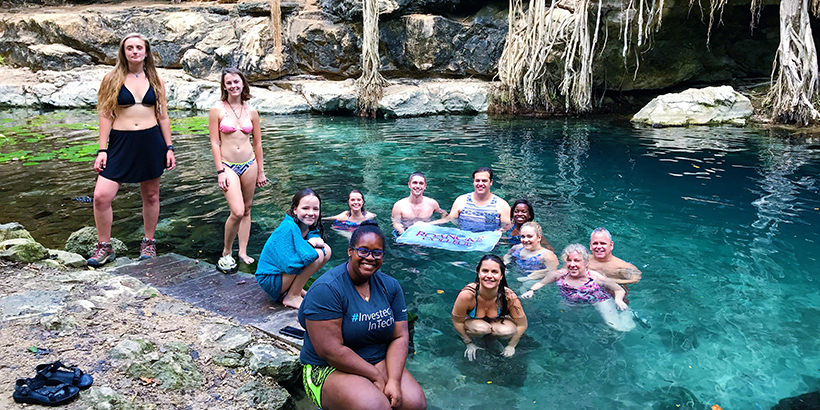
[[366, 298], [242, 110]]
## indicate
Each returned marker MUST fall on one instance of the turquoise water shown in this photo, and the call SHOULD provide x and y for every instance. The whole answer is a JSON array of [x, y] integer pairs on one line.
[[722, 221]]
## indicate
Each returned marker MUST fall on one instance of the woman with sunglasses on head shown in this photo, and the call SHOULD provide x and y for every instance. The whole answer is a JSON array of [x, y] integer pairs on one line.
[[294, 251], [356, 338], [238, 159], [487, 308], [135, 143]]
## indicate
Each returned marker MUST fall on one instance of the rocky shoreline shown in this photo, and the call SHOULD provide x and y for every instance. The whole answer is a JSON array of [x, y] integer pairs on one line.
[[144, 349], [77, 88]]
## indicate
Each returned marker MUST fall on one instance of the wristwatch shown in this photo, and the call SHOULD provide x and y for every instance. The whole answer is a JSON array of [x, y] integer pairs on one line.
[[171, 147]]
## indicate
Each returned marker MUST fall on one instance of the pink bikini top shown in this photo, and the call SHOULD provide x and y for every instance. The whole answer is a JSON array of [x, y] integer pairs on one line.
[[227, 128]]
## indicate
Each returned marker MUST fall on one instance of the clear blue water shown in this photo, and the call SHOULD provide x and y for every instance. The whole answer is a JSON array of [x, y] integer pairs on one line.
[[722, 221]]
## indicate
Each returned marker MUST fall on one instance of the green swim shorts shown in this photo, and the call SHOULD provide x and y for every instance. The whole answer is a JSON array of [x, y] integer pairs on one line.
[[314, 376]]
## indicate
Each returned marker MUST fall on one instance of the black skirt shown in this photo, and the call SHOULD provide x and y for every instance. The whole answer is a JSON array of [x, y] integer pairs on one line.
[[135, 156]]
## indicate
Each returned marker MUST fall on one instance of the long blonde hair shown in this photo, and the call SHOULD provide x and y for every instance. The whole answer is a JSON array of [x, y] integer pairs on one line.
[[111, 83]]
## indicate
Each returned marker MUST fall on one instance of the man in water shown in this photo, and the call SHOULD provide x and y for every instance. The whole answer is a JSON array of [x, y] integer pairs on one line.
[[415, 207], [603, 261], [480, 210]]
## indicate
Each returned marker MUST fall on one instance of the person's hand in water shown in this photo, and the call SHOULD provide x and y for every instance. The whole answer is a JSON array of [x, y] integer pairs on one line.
[[508, 351], [621, 305], [471, 350]]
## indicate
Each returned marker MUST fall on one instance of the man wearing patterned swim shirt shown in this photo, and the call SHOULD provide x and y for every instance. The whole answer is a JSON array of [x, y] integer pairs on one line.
[[480, 210], [415, 207], [603, 261]]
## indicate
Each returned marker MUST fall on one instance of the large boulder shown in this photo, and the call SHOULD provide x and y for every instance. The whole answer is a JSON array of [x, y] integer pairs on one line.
[[710, 105], [83, 242], [22, 250]]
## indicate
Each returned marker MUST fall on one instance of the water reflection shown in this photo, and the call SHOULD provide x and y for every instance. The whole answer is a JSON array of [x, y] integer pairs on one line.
[[721, 220]]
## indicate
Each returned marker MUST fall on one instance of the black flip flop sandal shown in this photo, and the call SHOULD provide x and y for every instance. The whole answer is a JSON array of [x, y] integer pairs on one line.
[[72, 376], [41, 391]]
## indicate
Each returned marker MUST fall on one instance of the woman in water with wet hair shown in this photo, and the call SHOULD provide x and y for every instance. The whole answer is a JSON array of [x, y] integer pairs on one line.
[[238, 159], [135, 142], [579, 286], [521, 212], [294, 251], [356, 337], [488, 308], [354, 216]]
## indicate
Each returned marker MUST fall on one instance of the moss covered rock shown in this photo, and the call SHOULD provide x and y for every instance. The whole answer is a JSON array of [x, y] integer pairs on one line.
[[84, 240], [22, 250]]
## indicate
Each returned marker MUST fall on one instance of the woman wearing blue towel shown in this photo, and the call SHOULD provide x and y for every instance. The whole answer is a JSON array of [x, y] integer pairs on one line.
[[294, 251]]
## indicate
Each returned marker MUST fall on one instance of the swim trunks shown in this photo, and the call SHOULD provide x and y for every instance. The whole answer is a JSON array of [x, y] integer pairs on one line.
[[313, 377]]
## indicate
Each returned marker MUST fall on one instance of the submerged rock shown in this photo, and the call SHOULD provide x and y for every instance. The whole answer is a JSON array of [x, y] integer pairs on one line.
[[710, 105], [808, 401], [83, 241]]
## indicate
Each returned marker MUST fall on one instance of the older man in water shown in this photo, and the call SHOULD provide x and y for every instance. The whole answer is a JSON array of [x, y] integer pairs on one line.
[[480, 210], [415, 207], [603, 261]]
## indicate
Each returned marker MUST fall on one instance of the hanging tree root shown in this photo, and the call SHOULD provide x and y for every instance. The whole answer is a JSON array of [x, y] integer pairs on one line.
[[371, 84]]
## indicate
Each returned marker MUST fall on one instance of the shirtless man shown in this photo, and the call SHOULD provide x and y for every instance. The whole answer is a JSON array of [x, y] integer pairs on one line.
[[415, 207], [603, 261], [480, 210]]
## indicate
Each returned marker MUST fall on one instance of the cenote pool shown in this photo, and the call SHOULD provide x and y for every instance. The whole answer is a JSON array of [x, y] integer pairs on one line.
[[722, 221]]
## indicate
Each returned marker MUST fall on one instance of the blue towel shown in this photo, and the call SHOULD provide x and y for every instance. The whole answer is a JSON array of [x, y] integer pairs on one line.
[[286, 251], [453, 239]]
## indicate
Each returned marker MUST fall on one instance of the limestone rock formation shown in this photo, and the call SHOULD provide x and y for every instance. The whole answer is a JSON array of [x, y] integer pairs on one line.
[[710, 105]]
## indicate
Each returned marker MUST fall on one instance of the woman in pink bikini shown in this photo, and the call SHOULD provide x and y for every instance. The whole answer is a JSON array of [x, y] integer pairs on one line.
[[239, 165], [579, 286]]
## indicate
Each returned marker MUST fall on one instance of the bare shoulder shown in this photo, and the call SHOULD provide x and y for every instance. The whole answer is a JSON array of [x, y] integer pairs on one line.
[[431, 202]]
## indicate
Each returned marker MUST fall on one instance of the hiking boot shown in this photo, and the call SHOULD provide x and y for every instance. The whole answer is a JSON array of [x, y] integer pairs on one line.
[[226, 264], [148, 249], [103, 254]]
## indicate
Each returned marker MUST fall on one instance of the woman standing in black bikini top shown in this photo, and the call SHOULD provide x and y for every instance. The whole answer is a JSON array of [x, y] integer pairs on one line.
[[239, 165], [135, 142]]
